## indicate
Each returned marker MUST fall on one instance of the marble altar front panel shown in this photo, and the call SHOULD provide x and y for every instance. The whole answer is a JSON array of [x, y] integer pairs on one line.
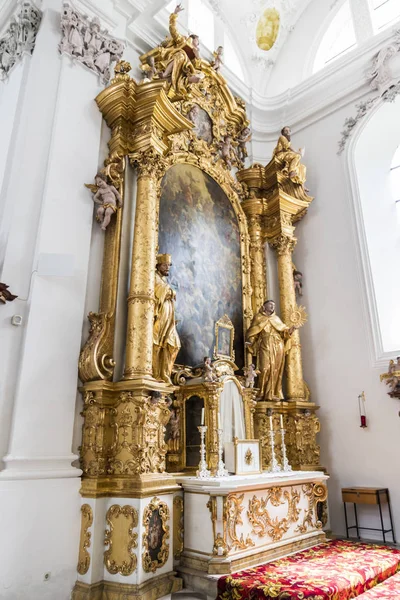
[[240, 521]]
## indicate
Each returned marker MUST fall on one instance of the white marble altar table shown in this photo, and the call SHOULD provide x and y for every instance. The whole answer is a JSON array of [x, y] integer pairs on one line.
[[235, 522]]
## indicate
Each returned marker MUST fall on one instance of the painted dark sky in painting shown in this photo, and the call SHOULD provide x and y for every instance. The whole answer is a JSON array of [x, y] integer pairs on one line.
[[198, 227]]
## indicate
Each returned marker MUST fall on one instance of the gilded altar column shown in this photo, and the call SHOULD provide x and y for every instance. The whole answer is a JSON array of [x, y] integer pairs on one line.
[[284, 246], [155, 118], [253, 208], [139, 344]]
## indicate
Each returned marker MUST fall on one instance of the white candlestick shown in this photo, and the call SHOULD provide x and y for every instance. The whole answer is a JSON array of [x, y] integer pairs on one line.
[[202, 416], [275, 468], [281, 421], [219, 421]]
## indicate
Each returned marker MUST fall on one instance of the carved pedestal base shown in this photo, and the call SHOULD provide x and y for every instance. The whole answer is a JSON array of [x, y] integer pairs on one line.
[[128, 547], [128, 504], [150, 590]]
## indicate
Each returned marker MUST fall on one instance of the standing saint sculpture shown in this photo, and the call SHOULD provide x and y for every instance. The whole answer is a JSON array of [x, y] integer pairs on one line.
[[269, 339], [291, 165], [166, 343]]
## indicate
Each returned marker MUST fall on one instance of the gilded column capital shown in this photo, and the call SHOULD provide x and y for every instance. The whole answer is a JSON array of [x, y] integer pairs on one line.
[[283, 245], [117, 105], [149, 163]]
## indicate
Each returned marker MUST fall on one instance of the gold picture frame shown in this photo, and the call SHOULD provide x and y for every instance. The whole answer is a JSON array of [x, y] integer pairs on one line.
[[224, 338], [156, 549]]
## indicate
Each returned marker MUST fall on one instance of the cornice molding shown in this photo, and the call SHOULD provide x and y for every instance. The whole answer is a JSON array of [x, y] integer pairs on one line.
[[347, 81]]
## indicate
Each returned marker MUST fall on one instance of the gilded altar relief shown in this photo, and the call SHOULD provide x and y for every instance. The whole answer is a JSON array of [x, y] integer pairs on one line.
[[198, 227]]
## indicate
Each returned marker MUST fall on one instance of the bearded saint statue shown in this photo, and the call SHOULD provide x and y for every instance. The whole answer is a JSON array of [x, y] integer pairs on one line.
[[166, 343], [290, 159], [269, 339]]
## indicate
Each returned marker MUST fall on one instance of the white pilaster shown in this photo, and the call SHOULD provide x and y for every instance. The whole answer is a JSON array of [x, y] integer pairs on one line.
[[54, 150]]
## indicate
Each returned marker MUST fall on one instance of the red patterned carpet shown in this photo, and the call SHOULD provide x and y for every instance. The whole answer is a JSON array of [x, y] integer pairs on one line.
[[389, 589], [335, 570]]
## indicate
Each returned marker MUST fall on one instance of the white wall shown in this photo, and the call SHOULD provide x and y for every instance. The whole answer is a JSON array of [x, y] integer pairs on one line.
[[340, 354], [336, 340], [52, 145]]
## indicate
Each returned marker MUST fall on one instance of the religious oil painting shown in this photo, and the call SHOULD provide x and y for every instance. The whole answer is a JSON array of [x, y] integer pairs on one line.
[[202, 123], [155, 535], [267, 29], [224, 342], [198, 227], [224, 338]]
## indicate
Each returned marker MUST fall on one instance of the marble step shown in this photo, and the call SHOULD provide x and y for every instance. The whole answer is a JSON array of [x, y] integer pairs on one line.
[[188, 595]]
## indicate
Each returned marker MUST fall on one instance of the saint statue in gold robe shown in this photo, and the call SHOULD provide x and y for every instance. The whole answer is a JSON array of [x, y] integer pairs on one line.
[[181, 55], [269, 339], [291, 165], [166, 343]]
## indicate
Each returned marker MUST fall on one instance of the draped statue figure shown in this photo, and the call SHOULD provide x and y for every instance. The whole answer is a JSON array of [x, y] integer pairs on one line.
[[166, 343], [181, 54], [291, 165], [269, 339]]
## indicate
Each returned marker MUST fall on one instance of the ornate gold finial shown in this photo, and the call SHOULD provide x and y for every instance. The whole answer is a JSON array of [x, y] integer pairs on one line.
[[122, 68]]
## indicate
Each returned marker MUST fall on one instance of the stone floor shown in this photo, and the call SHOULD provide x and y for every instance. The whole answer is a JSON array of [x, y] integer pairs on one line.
[[186, 595]]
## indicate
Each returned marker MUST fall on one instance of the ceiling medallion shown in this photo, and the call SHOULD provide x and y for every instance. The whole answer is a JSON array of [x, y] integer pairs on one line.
[[268, 28]]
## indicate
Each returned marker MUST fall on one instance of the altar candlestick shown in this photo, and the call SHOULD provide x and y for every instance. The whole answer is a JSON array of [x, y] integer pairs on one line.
[[202, 416], [281, 421], [275, 468]]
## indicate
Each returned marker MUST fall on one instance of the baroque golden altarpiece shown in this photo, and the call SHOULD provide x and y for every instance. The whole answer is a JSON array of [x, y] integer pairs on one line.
[[130, 471]]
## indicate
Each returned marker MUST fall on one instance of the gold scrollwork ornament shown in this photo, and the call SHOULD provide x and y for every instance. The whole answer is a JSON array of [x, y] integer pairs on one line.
[[84, 543], [119, 558], [234, 509], [178, 526]]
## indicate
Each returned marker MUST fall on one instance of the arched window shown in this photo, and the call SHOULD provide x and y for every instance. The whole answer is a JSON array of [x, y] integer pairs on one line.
[[338, 39], [377, 165], [384, 12], [395, 180], [201, 22], [231, 58]]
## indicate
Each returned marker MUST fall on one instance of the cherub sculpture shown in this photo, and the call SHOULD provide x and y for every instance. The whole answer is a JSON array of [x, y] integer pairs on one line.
[[108, 198], [298, 282], [148, 70], [226, 150], [242, 140], [174, 422], [250, 374], [5, 295], [218, 56], [209, 371]]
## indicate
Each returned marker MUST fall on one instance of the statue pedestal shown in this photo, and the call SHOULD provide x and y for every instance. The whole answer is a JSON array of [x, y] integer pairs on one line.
[[236, 522]]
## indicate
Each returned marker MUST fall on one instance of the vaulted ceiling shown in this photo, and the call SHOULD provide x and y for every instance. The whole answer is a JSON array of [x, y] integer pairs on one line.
[[243, 17]]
